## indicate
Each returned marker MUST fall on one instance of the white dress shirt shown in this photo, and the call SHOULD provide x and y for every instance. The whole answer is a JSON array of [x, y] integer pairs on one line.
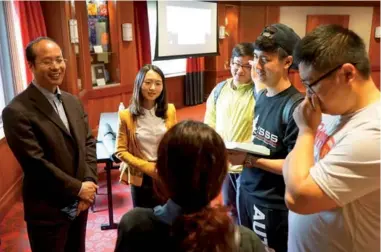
[[56, 102], [149, 131]]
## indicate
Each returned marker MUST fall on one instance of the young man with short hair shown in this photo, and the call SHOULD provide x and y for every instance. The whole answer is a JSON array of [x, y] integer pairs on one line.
[[230, 110], [261, 194], [332, 176]]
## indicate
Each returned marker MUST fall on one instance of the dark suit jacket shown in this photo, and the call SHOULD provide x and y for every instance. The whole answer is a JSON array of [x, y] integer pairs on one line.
[[54, 161]]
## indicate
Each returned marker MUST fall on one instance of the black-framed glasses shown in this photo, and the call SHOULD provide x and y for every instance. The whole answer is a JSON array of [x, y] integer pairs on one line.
[[309, 86], [237, 65]]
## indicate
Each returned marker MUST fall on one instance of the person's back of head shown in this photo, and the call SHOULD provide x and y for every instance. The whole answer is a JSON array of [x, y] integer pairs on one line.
[[334, 66], [192, 164]]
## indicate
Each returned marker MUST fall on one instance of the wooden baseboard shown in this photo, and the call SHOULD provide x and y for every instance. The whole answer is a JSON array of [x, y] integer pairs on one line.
[[10, 197]]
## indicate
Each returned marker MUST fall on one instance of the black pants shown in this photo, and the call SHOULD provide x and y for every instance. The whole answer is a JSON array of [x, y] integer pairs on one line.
[[64, 236], [144, 195], [229, 194], [271, 225]]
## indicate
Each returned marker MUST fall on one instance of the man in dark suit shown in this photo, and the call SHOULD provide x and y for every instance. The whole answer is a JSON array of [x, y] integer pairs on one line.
[[48, 132]]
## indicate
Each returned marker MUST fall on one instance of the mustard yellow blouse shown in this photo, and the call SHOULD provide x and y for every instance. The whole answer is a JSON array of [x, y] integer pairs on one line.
[[134, 162]]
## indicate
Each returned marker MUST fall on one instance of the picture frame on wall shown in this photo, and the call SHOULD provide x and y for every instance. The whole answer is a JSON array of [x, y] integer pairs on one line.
[[98, 73]]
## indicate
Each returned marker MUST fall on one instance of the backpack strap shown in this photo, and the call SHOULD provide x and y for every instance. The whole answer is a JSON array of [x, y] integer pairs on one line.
[[254, 92], [259, 94], [217, 90], [291, 104], [221, 84]]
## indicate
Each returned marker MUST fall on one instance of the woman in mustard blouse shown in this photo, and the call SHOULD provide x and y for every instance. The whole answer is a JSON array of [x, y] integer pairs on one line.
[[141, 127]]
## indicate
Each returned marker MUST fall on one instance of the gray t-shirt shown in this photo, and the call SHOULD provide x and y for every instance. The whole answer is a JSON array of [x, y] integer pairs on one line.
[[347, 169]]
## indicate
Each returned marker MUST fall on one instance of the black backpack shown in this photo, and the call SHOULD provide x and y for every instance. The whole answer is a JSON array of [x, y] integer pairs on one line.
[[291, 104]]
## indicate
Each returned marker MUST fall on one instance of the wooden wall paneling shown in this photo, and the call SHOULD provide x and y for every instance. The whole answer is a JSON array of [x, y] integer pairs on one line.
[[56, 16], [175, 90], [374, 46], [376, 76], [107, 99], [311, 3], [314, 21], [126, 97], [83, 56], [254, 18], [296, 81], [84, 99], [232, 14], [251, 22], [272, 14], [109, 90], [216, 63], [104, 104], [127, 50], [223, 43], [114, 37], [223, 75], [10, 179]]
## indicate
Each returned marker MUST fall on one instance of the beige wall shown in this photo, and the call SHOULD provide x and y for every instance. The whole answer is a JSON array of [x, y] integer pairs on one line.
[[360, 20]]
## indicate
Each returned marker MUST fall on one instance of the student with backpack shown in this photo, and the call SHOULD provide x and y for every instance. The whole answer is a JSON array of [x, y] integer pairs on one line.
[[230, 111], [260, 198]]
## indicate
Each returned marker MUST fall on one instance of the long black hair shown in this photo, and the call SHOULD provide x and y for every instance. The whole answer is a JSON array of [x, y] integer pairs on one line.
[[137, 96]]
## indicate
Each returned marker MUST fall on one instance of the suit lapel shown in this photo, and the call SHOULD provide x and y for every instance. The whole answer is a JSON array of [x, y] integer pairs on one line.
[[71, 111], [44, 106]]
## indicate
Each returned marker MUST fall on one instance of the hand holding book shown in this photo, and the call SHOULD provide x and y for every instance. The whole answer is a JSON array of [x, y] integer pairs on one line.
[[248, 148]]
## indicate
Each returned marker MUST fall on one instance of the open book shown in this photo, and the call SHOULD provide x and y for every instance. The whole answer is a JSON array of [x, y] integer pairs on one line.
[[248, 147]]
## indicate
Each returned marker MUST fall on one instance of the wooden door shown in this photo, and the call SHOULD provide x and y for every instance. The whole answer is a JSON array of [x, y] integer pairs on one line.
[[314, 21]]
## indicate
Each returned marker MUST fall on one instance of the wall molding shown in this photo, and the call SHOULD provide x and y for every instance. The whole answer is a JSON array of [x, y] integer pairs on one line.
[[10, 197], [360, 20]]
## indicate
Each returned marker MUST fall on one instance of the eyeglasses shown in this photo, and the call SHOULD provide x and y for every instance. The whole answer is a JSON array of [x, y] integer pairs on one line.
[[50, 62], [309, 86], [237, 65]]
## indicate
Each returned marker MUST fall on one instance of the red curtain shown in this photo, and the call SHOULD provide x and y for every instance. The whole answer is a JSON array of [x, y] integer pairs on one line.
[[32, 25], [142, 39], [194, 81]]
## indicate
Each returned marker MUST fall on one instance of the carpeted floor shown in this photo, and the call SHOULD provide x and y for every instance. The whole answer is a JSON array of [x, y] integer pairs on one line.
[[13, 233]]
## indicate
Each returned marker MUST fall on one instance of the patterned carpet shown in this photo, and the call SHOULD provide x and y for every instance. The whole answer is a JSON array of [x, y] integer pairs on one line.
[[13, 229], [13, 233]]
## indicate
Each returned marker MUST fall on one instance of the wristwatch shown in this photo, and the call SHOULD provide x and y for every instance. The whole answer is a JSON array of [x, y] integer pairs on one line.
[[248, 161]]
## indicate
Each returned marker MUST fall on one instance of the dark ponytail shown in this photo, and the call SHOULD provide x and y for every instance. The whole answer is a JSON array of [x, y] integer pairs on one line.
[[192, 164], [209, 230]]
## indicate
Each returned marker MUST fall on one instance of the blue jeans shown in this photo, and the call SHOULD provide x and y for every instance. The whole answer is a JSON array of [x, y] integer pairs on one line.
[[229, 194]]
